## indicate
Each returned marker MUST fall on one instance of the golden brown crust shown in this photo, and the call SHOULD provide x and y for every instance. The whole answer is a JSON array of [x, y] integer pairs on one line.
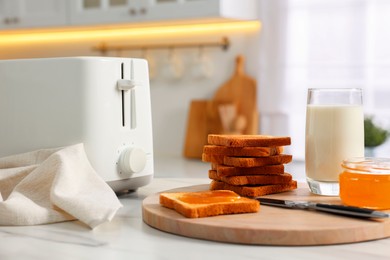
[[243, 205], [242, 151], [224, 170], [246, 162], [213, 158], [283, 178], [257, 161], [254, 191], [248, 140], [214, 166]]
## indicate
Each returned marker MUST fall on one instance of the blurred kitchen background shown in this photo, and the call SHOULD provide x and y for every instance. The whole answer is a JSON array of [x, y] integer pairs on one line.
[[288, 46]]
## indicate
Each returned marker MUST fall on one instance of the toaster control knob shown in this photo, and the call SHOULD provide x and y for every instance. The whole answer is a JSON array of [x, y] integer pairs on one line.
[[132, 160]]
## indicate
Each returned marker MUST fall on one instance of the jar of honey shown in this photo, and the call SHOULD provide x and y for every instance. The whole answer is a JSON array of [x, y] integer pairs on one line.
[[365, 182]]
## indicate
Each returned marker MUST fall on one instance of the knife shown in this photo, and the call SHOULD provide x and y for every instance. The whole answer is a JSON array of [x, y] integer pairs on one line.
[[330, 208]]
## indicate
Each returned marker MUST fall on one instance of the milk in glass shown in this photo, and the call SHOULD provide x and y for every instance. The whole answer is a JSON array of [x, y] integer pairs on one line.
[[333, 134]]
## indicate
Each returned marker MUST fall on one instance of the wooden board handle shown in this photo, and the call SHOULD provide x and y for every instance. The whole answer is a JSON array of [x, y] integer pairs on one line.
[[240, 65]]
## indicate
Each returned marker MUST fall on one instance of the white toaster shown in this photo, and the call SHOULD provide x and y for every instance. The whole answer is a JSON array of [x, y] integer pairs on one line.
[[99, 101]]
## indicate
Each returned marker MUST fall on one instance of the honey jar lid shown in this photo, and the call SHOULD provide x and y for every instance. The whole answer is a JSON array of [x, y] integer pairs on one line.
[[367, 165]]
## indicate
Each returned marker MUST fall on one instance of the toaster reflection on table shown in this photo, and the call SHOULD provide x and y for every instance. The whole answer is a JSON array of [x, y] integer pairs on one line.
[[99, 101]]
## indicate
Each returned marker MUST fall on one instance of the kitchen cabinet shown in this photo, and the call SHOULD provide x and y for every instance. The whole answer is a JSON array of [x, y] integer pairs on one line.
[[15, 14], [127, 11], [107, 11], [36, 13]]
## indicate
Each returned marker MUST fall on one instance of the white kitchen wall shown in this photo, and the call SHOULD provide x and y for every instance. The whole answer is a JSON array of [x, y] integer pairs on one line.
[[170, 97]]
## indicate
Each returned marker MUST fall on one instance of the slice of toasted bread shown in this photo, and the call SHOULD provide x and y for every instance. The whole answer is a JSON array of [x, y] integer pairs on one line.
[[252, 179], [242, 151], [253, 191], [208, 203], [224, 170], [214, 166], [248, 140], [213, 158], [257, 161]]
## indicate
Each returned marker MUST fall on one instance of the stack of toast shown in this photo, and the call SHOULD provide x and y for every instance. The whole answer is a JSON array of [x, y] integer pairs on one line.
[[250, 165]]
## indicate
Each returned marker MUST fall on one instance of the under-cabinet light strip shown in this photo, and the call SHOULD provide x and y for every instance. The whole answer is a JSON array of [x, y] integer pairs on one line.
[[40, 36]]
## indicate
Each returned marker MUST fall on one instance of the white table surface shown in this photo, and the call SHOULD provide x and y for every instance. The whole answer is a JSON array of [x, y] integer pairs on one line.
[[128, 237]]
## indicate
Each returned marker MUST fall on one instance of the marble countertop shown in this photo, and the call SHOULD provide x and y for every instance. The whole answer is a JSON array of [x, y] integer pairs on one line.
[[128, 237]]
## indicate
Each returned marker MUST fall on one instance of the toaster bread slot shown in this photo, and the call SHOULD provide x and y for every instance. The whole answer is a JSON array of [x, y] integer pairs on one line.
[[128, 90], [123, 98], [125, 86], [133, 117]]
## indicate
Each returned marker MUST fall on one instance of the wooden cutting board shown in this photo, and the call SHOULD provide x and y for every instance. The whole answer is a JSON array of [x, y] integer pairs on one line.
[[197, 131], [271, 225], [241, 90]]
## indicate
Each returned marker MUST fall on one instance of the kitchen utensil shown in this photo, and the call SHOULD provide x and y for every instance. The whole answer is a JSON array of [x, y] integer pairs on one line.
[[269, 226], [174, 67], [330, 208], [227, 113], [99, 101], [152, 64], [202, 66]]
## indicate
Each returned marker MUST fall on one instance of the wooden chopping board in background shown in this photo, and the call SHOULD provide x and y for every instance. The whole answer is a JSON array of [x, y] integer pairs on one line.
[[241, 90], [196, 135], [269, 226], [232, 110]]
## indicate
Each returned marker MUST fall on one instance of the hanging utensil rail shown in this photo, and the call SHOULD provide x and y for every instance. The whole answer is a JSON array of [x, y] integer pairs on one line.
[[103, 48]]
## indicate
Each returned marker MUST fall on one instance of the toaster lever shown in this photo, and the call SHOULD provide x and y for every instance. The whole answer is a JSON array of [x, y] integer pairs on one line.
[[127, 84]]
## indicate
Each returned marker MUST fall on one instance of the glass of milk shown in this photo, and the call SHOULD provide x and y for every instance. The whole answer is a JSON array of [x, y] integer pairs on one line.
[[334, 132]]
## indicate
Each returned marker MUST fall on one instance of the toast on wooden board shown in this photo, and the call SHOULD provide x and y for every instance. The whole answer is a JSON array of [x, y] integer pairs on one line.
[[283, 178], [224, 170], [208, 203], [256, 161], [254, 191], [242, 151], [248, 140]]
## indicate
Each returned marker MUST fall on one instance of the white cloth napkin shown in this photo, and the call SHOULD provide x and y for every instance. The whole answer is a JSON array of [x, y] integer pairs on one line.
[[54, 185]]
